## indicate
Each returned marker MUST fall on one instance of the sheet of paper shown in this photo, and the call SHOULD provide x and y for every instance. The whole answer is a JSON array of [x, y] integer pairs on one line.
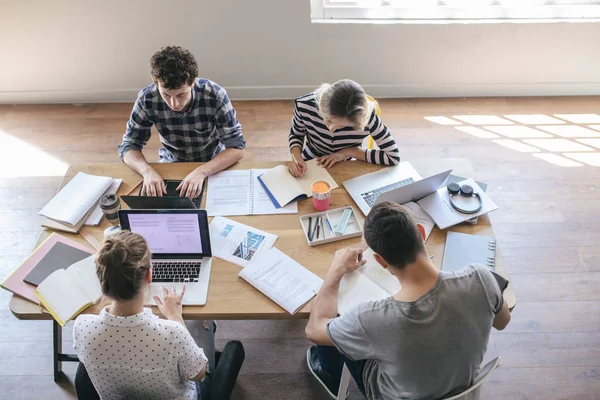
[[283, 280], [229, 193], [379, 275], [84, 275], [420, 217], [238, 243], [95, 216], [262, 202], [356, 288]]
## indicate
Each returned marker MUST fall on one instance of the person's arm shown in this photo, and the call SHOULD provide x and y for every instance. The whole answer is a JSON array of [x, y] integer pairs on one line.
[[296, 142], [502, 319], [388, 153], [229, 132], [136, 136], [324, 306], [494, 286]]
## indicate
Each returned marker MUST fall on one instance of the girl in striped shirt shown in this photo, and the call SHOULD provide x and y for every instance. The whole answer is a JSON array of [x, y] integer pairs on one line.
[[330, 125]]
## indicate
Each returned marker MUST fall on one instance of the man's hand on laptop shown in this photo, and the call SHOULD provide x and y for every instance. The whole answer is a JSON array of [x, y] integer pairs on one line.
[[153, 184], [191, 185], [347, 260]]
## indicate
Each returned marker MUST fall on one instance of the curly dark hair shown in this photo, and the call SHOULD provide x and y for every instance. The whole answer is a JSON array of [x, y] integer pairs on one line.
[[173, 66]]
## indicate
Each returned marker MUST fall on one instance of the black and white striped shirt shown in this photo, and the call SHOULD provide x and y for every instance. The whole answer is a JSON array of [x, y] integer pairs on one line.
[[308, 124]]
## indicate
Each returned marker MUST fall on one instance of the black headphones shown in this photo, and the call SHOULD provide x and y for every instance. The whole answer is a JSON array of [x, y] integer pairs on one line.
[[454, 189]]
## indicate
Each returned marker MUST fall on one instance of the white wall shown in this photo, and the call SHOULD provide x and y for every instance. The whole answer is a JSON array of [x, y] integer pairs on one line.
[[84, 51]]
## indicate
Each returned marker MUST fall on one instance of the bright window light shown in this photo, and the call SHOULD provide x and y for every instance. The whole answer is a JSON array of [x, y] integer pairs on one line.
[[590, 142], [442, 120], [596, 127], [534, 119], [557, 160], [557, 145], [518, 146], [483, 119], [592, 159], [570, 131], [477, 132], [518, 131], [23, 160], [580, 118]]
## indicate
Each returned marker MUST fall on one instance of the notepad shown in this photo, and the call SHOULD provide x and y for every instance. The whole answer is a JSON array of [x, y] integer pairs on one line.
[[76, 199], [437, 205], [15, 283], [67, 292], [282, 279], [237, 192], [463, 249], [371, 282], [283, 188]]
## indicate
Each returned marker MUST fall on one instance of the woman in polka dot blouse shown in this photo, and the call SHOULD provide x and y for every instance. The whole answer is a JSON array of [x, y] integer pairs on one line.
[[127, 351]]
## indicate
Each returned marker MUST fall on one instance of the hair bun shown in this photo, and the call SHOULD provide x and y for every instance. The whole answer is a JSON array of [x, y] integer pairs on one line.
[[113, 250]]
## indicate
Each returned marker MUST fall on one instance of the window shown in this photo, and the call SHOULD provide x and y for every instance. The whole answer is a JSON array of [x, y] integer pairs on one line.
[[453, 10]]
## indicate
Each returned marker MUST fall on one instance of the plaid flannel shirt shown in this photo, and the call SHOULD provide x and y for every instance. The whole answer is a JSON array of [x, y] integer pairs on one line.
[[207, 127]]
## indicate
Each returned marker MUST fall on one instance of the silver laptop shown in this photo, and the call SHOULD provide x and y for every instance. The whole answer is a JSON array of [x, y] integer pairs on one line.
[[400, 184], [180, 246]]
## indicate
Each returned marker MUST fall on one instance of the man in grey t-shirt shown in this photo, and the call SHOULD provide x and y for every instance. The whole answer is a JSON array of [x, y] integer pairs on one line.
[[425, 342]]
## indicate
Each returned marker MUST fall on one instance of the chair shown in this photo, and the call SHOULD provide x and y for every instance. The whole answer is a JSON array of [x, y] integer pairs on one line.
[[472, 393], [371, 142], [228, 365]]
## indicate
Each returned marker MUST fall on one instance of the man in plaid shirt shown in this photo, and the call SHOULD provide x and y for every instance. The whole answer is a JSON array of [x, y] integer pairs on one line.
[[194, 118]]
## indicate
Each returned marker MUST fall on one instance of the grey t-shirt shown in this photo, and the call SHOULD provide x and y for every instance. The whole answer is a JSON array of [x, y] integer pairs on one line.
[[426, 349]]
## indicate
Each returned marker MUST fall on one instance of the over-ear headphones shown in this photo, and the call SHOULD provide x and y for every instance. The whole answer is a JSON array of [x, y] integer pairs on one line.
[[454, 189]]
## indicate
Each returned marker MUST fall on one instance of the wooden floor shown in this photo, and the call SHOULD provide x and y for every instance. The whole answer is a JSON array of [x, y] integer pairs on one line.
[[548, 227]]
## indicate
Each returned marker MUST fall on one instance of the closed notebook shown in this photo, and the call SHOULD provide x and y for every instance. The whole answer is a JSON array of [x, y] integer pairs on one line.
[[282, 188], [463, 249], [67, 292], [15, 283], [282, 279]]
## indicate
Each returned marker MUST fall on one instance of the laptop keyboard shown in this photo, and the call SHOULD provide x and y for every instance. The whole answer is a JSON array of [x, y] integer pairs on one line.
[[175, 271], [371, 197]]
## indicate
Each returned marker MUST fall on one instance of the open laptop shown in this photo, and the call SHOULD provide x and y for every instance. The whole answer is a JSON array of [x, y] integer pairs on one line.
[[400, 183], [181, 254]]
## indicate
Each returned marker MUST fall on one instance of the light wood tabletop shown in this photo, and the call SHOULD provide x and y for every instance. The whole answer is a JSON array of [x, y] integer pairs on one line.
[[230, 297]]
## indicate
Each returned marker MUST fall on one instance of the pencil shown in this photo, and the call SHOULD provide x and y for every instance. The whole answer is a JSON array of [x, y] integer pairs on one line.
[[135, 187], [295, 161]]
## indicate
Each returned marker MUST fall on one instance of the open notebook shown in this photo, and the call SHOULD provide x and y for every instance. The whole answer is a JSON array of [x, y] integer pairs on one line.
[[371, 282], [72, 204], [237, 192], [282, 188], [282, 279], [67, 292]]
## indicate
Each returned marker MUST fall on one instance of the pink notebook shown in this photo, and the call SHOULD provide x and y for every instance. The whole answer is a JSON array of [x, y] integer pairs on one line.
[[14, 282]]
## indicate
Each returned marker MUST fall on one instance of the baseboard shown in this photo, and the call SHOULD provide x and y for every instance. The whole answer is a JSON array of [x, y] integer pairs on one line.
[[290, 92]]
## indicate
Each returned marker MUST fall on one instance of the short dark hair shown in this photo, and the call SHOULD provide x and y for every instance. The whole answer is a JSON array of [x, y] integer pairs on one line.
[[121, 265], [391, 232], [173, 66]]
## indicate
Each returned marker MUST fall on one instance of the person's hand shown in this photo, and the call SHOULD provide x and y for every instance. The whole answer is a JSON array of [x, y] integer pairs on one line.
[[347, 260], [330, 160], [171, 304], [191, 185], [153, 184], [297, 170]]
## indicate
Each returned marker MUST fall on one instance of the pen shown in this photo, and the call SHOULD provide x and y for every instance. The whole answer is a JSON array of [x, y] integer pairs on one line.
[[328, 223], [318, 226], [309, 228], [323, 227]]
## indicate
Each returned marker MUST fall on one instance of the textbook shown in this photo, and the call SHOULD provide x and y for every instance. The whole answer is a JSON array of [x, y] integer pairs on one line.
[[283, 188], [67, 292], [49, 253], [282, 279], [371, 282]]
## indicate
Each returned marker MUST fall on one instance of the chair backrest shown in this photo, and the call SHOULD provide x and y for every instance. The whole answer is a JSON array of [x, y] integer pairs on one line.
[[371, 142], [472, 393]]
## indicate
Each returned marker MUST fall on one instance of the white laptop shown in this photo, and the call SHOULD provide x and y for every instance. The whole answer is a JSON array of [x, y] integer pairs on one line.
[[400, 184], [180, 246]]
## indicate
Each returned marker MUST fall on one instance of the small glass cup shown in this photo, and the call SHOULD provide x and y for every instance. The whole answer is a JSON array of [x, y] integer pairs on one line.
[[321, 195]]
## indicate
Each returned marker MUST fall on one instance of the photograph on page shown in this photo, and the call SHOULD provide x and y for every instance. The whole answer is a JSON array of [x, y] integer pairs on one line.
[[236, 242]]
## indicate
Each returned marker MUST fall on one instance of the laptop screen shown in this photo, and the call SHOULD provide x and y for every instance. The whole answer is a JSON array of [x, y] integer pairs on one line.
[[170, 233]]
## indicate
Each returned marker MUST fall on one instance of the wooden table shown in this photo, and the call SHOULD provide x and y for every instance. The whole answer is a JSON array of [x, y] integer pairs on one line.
[[230, 297]]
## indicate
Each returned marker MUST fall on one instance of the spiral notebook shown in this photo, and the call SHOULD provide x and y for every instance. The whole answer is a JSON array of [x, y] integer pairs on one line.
[[238, 192], [71, 205], [463, 249], [437, 205], [282, 279]]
